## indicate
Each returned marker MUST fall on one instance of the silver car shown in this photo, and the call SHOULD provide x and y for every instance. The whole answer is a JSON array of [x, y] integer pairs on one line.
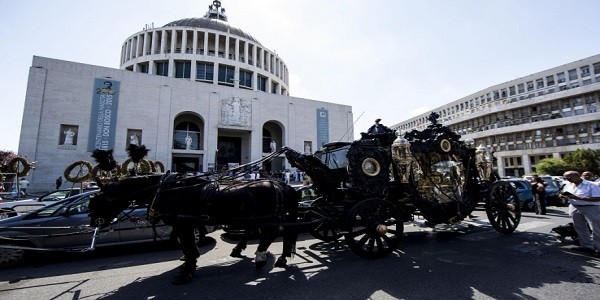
[[64, 226]]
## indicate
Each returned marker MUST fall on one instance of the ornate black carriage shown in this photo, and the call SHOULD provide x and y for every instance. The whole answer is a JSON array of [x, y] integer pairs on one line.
[[372, 186]]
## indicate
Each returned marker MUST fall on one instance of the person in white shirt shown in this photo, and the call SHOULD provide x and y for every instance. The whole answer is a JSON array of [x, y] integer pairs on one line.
[[589, 176], [23, 185], [584, 208]]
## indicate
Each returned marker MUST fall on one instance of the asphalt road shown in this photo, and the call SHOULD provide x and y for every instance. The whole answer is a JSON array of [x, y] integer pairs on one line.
[[467, 261]]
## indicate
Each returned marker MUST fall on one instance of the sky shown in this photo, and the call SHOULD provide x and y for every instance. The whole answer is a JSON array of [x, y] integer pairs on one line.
[[389, 59]]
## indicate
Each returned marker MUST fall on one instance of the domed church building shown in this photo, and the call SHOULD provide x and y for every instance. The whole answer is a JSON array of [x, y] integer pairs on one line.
[[200, 93]]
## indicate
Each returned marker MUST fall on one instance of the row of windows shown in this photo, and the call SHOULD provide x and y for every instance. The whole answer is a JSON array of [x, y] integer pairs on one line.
[[148, 43], [574, 134], [517, 161], [538, 87], [205, 72], [579, 105]]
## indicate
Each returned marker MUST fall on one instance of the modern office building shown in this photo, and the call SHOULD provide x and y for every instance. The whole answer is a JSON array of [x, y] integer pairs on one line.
[[546, 114], [199, 92]]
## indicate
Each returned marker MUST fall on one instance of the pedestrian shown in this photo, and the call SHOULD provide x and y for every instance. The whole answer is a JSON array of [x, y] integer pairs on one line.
[[23, 185], [538, 187], [58, 182], [584, 208], [589, 176]]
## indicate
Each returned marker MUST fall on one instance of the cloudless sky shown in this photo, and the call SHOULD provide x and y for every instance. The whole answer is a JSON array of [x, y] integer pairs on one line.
[[392, 59]]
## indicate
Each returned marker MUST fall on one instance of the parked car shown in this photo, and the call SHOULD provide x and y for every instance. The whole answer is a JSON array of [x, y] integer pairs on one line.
[[13, 208], [64, 226], [523, 189], [306, 195], [552, 190]]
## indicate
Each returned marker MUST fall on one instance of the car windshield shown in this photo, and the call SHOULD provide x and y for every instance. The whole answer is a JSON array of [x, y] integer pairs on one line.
[[58, 195], [77, 204], [550, 182]]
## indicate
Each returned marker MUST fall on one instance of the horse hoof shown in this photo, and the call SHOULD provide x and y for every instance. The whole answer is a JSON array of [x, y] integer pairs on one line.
[[236, 253], [281, 263], [260, 264]]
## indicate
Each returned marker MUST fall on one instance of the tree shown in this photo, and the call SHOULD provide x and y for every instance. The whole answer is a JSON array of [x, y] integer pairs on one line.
[[5, 157], [552, 166], [584, 160]]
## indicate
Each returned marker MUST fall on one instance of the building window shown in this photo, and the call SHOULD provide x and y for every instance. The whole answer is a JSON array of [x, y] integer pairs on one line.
[[511, 90], [585, 71], [540, 83], [274, 87], [68, 135], [187, 136], [550, 80], [561, 77], [530, 86], [521, 88], [266, 144], [162, 68], [226, 74], [183, 69], [262, 83], [597, 68], [143, 68], [205, 71], [246, 78], [573, 74]]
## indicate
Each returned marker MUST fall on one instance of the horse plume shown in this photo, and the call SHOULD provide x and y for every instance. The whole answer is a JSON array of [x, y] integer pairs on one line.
[[137, 153], [105, 159]]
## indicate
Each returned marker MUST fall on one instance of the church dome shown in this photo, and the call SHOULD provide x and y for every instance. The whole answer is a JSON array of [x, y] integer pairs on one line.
[[213, 24]]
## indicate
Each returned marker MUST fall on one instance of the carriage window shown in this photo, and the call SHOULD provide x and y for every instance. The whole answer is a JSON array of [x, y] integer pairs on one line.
[[336, 159]]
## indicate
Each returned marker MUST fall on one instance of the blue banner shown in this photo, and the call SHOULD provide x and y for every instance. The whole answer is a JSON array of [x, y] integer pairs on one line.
[[103, 122], [322, 127]]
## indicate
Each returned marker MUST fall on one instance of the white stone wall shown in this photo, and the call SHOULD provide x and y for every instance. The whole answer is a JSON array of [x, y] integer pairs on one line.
[[60, 92]]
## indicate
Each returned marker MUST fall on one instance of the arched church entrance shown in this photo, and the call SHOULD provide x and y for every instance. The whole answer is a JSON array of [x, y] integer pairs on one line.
[[272, 140], [188, 143]]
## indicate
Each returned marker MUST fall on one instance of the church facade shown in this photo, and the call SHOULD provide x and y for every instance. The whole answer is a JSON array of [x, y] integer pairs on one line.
[[199, 93]]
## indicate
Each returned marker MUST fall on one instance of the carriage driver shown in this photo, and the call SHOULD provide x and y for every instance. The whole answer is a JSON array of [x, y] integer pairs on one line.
[[378, 128]]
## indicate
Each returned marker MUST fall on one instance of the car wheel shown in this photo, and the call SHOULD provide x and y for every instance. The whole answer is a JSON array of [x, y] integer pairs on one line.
[[529, 205], [9, 257]]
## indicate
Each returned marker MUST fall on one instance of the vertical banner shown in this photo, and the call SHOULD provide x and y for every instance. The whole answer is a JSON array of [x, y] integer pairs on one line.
[[103, 124], [322, 127]]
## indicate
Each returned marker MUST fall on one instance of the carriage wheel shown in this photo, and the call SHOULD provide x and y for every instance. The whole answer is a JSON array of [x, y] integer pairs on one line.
[[327, 220], [374, 228], [503, 208]]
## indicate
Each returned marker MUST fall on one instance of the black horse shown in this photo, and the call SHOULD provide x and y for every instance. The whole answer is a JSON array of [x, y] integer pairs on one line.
[[186, 201]]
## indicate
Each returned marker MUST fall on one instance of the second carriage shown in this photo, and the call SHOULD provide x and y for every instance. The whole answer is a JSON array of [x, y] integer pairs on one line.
[[372, 186]]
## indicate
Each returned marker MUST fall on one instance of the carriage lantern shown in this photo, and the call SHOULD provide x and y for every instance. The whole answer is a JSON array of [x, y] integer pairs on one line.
[[402, 155]]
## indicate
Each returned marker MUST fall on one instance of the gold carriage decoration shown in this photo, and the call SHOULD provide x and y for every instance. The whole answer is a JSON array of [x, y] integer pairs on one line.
[[83, 171], [20, 166]]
